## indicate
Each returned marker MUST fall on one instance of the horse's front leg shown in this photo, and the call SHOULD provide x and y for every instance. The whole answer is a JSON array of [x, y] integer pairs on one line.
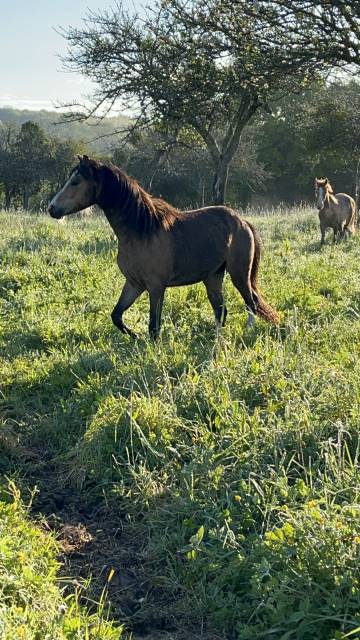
[[156, 303], [127, 297], [322, 229]]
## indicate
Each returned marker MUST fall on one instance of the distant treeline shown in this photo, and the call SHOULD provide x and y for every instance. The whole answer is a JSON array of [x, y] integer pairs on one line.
[[314, 133], [94, 132]]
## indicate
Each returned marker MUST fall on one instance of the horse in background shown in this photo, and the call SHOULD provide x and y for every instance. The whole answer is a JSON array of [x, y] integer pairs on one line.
[[160, 246], [336, 211]]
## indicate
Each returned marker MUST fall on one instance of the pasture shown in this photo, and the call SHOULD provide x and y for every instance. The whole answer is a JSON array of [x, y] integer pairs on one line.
[[209, 485]]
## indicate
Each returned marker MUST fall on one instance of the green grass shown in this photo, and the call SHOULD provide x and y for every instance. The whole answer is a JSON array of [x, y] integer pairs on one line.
[[32, 606], [230, 464]]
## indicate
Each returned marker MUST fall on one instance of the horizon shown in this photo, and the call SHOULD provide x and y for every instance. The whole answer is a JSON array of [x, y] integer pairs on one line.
[[32, 75]]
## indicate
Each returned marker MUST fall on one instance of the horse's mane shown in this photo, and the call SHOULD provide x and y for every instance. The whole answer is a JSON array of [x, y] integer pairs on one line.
[[325, 183], [138, 210]]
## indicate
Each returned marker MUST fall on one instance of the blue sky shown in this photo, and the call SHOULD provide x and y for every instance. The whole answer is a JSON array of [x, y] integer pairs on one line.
[[30, 71]]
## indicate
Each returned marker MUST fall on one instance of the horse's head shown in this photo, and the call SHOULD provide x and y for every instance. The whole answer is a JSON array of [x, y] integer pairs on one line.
[[321, 187], [79, 191]]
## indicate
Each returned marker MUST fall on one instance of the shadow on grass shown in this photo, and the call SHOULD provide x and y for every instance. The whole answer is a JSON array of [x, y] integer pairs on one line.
[[18, 343], [311, 247]]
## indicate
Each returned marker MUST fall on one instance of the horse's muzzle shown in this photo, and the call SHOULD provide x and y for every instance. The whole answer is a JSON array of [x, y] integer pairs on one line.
[[55, 212]]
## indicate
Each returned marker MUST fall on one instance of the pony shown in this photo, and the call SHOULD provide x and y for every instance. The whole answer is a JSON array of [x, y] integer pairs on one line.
[[160, 246], [335, 211]]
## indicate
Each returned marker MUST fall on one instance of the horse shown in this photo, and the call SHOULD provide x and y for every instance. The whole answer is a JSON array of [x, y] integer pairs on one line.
[[160, 246], [335, 211]]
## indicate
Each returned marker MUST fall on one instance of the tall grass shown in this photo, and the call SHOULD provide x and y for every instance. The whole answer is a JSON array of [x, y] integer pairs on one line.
[[230, 463]]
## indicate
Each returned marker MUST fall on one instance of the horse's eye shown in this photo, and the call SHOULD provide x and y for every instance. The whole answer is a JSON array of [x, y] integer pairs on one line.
[[74, 182]]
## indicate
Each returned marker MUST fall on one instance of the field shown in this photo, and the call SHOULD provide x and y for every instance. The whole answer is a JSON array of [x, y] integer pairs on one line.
[[209, 485]]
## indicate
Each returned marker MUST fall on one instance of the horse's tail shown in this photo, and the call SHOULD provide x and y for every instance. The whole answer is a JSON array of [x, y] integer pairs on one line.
[[263, 309], [353, 213], [356, 213]]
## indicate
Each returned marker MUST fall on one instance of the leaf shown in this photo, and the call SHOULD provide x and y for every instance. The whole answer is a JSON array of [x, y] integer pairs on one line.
[[111, 575], [196, 539], [200, 534]]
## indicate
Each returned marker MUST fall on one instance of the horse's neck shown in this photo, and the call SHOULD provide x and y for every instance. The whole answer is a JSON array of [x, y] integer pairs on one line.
[[110, 200], [115, 221]]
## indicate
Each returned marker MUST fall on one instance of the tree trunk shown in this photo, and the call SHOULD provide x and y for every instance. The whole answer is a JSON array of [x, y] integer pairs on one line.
[[220, 181], [7, 198], [26, 199], [223, 153]]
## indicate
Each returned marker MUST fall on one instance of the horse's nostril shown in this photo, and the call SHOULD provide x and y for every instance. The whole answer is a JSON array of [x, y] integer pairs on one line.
[[54, 211]]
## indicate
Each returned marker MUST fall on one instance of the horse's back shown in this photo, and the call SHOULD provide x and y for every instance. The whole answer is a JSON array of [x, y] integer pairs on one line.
[[345, 199], [346, 209], [202, 241], [214, 211]]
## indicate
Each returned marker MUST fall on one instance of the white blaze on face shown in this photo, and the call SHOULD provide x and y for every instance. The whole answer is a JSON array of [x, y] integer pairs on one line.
[[55, 201], [320, 197]]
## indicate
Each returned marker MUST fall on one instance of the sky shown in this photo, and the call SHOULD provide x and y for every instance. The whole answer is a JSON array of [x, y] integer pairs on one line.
[[30, 70]]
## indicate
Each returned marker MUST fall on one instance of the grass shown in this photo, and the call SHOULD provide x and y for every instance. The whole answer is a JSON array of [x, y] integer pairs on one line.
[[226, 469], [32, 606]]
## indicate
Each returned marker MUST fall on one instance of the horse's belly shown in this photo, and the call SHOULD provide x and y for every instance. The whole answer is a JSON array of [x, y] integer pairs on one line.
[[189, 272], [182, 280]]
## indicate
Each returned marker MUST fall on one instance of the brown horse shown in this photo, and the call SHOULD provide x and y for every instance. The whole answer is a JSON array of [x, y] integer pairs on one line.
[[160, 246], [335, 211]]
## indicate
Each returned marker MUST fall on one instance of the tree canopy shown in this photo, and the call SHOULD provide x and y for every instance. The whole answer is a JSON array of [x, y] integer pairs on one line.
[[206, 66], [31, 161]]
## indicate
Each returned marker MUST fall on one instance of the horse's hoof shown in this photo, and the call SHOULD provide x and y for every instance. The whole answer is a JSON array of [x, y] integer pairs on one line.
[[130, 333], [124, 329]]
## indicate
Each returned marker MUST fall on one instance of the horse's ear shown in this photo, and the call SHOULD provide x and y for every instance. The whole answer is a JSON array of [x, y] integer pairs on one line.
[[85, 160]]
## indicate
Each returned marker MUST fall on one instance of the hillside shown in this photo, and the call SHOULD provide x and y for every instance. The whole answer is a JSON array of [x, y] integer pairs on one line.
[[50, 121]]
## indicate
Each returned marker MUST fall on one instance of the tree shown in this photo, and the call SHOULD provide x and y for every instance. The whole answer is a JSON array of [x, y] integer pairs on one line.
[[329, 28], [314, 133], [33, 155], [175, 170], [33, 164], [8, 162], [62, 160], [205, 66]]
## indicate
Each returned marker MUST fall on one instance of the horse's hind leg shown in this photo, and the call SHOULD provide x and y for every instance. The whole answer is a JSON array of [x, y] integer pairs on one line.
[[342, 230], [239, 267], [242, 283], [214, 290], [250, 297], [156, 304], [349, 230], [128, 296]]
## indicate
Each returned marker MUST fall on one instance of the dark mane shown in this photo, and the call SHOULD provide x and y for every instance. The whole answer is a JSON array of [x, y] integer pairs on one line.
[[140, 212]]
